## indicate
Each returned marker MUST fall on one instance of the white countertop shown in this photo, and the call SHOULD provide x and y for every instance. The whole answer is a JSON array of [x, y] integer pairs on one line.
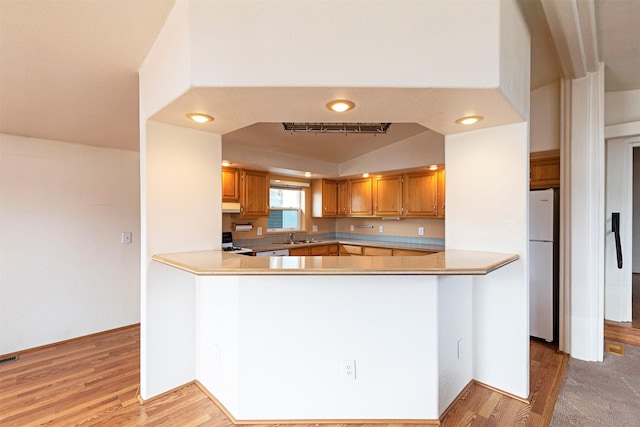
[[452, 262]]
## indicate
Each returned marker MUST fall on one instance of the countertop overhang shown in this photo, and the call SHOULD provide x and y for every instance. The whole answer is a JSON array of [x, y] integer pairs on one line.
[[451, 262]]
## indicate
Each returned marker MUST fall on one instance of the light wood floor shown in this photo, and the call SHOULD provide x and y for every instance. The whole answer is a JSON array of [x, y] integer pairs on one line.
[[94, 380]]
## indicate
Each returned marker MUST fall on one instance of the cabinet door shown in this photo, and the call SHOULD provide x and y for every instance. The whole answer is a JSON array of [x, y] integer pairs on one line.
[[255, 194], [420, 191], [334, 249], [544, 172], [329, 197], [230, 185], [387, 195], [350, 250], [343, 198], [360, 197], [299, 251], [324, 193], [319, 250], [440, 196]]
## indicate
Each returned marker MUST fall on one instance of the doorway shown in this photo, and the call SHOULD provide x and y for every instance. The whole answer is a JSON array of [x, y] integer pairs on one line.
[[635, 268], [622, 255]]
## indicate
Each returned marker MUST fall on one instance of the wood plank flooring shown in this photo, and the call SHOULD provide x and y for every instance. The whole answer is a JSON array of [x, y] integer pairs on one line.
[[627, 332], [94, 380]]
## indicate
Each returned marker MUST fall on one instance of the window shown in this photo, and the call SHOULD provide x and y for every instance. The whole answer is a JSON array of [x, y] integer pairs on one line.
[[286, 212]]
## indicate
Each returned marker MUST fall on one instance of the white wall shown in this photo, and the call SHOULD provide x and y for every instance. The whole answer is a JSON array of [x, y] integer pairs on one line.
[[64, 272], [545, 118], [251, 44], [273, 345], [426, 148], [621, 107], [487, 210], [636, 211], [583, 199], [181, 200], [455, 337]]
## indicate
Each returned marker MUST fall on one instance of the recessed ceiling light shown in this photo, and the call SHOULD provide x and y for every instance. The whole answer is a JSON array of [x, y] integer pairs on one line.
[[365, 175], [340, 105], [226, 163], [433, 167], [199, 117], [307, 174], [469, 120]]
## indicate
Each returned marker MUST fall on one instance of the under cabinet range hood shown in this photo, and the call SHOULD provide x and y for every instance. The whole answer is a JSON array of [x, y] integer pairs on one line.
[[228, 207]]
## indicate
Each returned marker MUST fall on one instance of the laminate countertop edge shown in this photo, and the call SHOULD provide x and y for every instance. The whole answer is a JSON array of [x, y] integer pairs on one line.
[[446, 263]]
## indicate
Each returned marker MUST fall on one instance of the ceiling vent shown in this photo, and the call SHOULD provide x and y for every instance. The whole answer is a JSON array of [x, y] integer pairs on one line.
[[344, 128]]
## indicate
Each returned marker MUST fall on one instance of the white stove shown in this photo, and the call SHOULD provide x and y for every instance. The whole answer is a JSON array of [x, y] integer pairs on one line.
[[227, 245]]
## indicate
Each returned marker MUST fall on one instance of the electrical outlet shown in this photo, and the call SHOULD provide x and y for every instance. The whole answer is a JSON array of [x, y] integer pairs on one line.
[[420, 231], [314, 228], [459, 348], [348, 370], [351, 227], [259, 231], [126, 237], [381, 229]]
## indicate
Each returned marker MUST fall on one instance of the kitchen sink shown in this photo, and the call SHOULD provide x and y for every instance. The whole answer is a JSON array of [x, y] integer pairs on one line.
[[298, 242]]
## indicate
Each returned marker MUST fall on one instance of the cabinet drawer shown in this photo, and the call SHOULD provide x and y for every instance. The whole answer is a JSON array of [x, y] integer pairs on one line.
[[409, 252], [369, 251]]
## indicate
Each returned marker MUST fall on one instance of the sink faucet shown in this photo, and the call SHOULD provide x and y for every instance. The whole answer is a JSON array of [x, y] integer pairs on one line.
[[291, 238]]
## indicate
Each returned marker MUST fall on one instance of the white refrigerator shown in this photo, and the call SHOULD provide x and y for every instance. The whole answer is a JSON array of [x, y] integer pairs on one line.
[[542, 221]]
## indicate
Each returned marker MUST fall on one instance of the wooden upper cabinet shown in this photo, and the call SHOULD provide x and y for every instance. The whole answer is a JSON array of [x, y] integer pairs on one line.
[[440, 196], [343, 198], [325, 198], [544, 170], [412, 194], [230, 185], [255, 194], [360, 197], [420, 194], [387, 195]]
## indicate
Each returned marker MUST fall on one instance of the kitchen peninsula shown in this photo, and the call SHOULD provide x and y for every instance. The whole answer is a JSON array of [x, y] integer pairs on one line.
[[271, 335]]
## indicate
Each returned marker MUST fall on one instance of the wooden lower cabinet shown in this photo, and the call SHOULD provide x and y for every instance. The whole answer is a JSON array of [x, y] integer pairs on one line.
[[335, 249], [409, 252], [346, 250], [317, 250], [304, 251], [371, 251]]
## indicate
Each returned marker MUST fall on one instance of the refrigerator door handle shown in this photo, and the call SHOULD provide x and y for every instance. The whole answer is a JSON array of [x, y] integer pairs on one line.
[[615, 228]]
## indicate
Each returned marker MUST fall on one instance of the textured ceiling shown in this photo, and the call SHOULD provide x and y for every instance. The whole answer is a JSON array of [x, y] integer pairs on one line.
[[68, 69], [618, 27]]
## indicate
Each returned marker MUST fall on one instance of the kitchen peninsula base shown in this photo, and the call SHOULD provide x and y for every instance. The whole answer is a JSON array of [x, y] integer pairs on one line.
[[272, 346]]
